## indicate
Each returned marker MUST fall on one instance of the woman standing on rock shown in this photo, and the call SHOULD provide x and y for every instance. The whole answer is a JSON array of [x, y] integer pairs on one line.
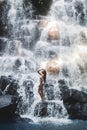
[[42, 73]]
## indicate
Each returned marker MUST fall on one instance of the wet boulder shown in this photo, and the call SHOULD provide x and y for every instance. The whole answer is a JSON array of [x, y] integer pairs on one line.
[[9, 97], [8, 85], [74, 101], [41, 7], [8, 106], [3, 43], [3, 82], [76, 104]]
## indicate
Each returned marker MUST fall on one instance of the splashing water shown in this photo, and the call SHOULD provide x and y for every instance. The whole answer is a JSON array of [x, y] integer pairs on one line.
[[60, 36]]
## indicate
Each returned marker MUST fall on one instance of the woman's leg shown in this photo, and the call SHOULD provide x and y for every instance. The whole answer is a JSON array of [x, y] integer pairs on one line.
[[40, 91]]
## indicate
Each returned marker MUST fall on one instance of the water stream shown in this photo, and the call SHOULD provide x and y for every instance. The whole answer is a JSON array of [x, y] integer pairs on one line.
[[58, 40]]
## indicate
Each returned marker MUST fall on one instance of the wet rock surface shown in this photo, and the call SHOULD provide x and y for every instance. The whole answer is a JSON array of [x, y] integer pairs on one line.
[[8, 106], [4, 7], [8, 85], [74, 101], [3, 44], [41, 7], [8, 97]]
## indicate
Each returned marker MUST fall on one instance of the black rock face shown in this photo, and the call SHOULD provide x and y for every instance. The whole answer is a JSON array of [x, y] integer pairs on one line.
[[9, 97], [4, 7], [74, 101], [8, 85], [76, 104], [41, 7], [8, 106]]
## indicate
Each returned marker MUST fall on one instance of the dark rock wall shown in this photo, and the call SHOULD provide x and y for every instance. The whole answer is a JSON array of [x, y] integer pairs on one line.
[[74, 101], [9, 97], [41, 7], [4, 7]]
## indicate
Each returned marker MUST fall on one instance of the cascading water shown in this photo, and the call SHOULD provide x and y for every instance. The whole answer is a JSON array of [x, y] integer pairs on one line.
[[33, 45]]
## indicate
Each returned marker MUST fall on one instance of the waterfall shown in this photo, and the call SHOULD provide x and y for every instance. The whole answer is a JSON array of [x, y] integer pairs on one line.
[[56, 41]]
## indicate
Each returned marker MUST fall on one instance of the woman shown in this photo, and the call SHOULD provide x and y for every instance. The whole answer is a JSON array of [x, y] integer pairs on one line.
[[42, 73]]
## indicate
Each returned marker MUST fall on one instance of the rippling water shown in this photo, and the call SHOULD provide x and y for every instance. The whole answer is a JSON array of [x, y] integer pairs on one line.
[[46, 125]]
